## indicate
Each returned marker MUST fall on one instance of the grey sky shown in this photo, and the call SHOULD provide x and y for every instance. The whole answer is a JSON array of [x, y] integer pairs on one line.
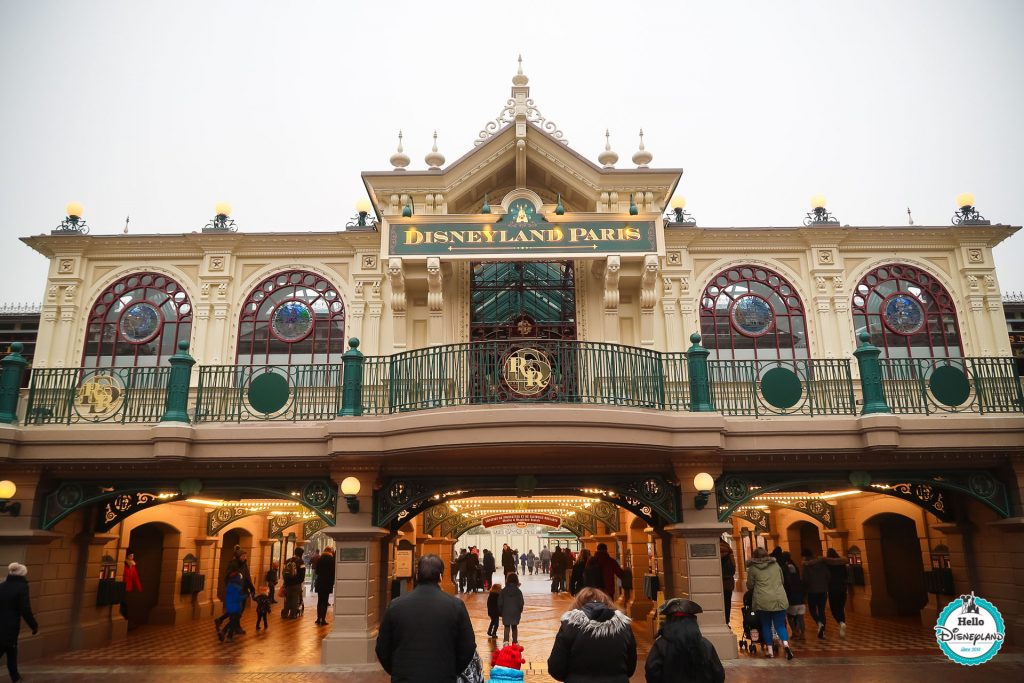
[[160, 109]]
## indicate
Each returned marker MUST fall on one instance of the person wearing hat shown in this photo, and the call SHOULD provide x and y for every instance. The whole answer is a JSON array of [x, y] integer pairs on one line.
[[507, 663], [681, 654], [14, 606]]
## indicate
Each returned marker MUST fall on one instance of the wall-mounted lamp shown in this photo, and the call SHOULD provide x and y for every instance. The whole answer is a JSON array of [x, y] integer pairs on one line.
[[350, 489], [704, 483], [7, 491]]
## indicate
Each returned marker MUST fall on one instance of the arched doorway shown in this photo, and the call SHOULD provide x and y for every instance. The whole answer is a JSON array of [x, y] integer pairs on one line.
[[896, 568], [148, 542], [803, 536], [232, 538]]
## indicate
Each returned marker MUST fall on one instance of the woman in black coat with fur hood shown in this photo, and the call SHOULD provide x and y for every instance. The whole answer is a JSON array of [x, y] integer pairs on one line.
[[595, 643]]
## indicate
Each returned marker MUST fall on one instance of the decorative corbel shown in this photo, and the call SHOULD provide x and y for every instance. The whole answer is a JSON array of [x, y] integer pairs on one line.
[[396, 277], [435, 280], [612, 266], [648, 280]]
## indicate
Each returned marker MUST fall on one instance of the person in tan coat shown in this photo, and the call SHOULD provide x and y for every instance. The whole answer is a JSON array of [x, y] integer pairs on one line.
[[765, 579]]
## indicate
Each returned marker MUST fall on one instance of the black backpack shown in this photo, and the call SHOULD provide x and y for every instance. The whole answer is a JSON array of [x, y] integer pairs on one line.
[[593, 577]]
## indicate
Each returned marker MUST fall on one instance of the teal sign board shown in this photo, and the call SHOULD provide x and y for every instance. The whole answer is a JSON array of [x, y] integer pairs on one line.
[[521, 231]]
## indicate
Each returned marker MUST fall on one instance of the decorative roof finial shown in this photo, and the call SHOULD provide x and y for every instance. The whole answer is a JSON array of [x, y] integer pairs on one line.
[[642, 157], [607, 158], [520, 78], [434, 158], [399, 159]]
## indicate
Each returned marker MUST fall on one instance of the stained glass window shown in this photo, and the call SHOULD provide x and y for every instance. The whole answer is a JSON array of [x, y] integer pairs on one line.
[[292, 318], [137, 321], [907, 312], [750, 312]]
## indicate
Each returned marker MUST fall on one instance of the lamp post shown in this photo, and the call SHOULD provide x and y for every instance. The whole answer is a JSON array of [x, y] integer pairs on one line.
[[819, 215], [361, 219], [967, 214], [679, 216], [222, 221], [73, 223]]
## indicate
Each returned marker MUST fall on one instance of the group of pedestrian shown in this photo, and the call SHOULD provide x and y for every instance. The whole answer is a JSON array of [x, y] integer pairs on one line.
[[595, 640], [471, 574], [239, 590], [779, 595]]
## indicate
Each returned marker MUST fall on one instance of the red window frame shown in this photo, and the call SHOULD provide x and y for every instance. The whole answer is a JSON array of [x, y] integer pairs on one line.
[[784, 339], [103, 337], [938, 337], [257, 340]]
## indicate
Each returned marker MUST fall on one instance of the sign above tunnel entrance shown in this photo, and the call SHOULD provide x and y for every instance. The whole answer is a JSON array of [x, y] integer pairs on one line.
[[522, 232], [521, 519]]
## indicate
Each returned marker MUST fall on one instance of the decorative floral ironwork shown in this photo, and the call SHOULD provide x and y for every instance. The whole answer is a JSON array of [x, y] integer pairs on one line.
[[819, 216], [508, 116], [759, 518], [124, 505], [968, 215], [71, 225], [220, 223]]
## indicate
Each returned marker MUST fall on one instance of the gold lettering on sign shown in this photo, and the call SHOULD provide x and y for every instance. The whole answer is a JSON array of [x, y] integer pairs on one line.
[[99, 397], [527, 371]]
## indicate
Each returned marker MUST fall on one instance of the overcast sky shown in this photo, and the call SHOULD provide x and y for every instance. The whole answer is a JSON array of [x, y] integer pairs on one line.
[[158, 110]]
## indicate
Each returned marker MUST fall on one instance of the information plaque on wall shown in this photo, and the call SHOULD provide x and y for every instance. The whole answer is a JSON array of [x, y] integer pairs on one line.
[[703, 550], [352, 555], [403, 564]]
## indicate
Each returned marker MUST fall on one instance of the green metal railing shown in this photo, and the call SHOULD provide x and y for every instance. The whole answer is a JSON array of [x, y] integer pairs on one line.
[[536, 371], [782, 387], [951, 385], [239, 393], [76, 395]]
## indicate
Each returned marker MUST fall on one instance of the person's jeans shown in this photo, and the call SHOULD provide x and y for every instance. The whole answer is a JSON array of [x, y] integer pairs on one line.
[[728, 606], [492, 630], [837, 603], [776, 619], [11, 652], [816, 606], [321, 605], [261, 618]]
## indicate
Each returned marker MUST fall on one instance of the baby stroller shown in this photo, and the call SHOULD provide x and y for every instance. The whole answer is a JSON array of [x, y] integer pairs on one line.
[[752, 636]]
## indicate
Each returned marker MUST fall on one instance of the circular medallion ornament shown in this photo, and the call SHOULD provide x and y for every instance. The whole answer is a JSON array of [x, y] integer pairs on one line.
[[752, 316], [950, 386], [268, 393], [903, 314], [527, 372], [292, 321], [140, 323], [781, 388]]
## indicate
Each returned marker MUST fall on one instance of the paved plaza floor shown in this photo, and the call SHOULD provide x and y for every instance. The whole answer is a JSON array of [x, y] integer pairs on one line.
[[874, 650]]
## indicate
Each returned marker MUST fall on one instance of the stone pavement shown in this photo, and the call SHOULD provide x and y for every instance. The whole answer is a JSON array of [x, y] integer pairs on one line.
[[896, 651]]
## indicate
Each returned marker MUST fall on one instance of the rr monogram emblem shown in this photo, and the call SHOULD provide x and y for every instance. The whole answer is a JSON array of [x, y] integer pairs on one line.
[[527, 371], [100, 396]]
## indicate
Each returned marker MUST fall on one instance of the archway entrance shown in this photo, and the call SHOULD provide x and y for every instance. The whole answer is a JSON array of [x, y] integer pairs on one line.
[[892, 543], [147, 542]]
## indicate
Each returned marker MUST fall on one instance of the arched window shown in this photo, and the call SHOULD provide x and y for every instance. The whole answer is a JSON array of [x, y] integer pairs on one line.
[[137, 321], [750, 312], [292, 318], [908, 313]]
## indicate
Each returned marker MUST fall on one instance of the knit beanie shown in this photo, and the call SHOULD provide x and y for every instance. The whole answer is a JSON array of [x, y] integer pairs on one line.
[[17, 569], [510, 656]]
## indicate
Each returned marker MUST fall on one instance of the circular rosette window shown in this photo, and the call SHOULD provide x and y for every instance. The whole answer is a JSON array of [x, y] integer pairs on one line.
[[292, 321], [140, 323], [526, 372], [903, 314], [269, 394], [752, 316]]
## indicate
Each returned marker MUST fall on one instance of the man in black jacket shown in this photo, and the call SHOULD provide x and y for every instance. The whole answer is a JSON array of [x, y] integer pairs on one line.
[[426, 635], [324, 584], [14, 606]]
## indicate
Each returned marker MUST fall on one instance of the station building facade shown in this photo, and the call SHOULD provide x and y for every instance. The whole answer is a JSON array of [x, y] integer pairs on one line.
[[530, 329]]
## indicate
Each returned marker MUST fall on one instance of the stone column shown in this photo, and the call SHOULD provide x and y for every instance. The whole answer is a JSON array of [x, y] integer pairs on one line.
[[206, 599], [639, 606], [696, 560]]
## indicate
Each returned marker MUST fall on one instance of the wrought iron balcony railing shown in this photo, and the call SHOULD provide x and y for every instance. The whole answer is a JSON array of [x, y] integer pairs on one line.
[[538, 371]]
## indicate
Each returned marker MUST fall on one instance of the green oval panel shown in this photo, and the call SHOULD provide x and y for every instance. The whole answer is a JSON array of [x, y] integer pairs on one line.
[[781, 388], [949, 386], [268, 393]]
